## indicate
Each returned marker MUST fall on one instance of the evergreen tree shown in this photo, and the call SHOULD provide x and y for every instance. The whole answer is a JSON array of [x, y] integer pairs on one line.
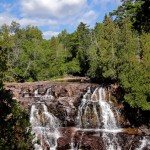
[[137, 10], [142, 18], [108, 49], [95, 66], [130, 68], [13, 123], [83, 35], [72, 61]]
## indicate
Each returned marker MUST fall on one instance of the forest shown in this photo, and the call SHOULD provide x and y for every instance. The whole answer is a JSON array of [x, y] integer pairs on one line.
[[117, 49]]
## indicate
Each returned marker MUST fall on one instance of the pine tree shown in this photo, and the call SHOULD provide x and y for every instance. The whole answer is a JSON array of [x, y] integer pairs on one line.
[[83, 35]]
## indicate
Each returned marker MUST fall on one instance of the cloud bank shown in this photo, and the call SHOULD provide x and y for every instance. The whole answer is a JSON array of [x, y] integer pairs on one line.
[[52, 8], [52, 16]]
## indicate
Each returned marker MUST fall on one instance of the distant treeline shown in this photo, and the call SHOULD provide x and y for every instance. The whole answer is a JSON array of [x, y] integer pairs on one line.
[[115, 50]]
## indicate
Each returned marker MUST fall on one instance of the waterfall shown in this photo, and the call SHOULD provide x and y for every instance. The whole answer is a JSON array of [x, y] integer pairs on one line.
[[96, 119], [88, 114], [108, 118], [48, 93], [47, 96], [95, 112], [145, 141], [44, 127], [109, 122], [36, 93]]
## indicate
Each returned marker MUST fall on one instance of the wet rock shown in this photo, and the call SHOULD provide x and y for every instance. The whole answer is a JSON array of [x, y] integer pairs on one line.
[[64, 101], [144, 130]]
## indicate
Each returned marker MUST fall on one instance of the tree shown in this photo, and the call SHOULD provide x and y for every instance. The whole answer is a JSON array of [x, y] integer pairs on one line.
[[83, 35], [6, 44], [71, 51], [130, 67], [26, 54], [142, 17], [13, 123], [137, 10], [108, 49], [103, 51], [128, 8], [95, 66]]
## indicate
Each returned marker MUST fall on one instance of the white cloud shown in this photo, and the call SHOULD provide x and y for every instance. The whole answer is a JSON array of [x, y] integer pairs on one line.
[[6, 18], [52, 8], [57, 12], [36, 22], [49, 34], [54, 14], [89, 17]]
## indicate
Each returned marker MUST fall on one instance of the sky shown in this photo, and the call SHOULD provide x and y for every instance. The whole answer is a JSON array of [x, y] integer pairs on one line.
[[53, 16]]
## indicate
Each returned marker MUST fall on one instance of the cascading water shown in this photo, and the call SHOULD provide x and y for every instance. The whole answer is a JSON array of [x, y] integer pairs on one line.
[[107, 115], [109, 122], [145, 141], [96, 117], [36, 93], [48, 95], [88, 114], [44, 125], [95, 112]]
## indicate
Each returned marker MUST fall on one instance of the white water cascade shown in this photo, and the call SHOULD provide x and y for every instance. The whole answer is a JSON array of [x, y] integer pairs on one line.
[[109, 121], [96, 120], [145, 141], [48, 95], [44, 127], [107, 115], [36, 93], [95, 113]]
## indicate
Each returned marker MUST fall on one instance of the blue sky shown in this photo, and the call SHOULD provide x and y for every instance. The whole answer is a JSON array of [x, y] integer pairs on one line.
[[53, 16]]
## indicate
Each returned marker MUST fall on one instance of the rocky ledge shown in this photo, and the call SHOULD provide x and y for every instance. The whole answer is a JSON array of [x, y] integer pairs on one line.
[[63, 99]]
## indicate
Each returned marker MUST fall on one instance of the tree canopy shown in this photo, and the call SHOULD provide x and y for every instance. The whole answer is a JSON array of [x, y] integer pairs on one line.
[[137, 10], [116, 49]]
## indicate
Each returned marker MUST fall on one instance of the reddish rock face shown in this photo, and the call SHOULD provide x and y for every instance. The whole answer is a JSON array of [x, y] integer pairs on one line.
[[64, 100], [67, 97], [23, 91], [92, 140]]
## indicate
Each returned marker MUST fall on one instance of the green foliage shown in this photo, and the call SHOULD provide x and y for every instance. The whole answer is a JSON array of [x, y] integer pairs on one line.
[[112, 51], [128, 8], [83, 35], [13, 123], [137, 10], [5, 48], [142, 18]]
